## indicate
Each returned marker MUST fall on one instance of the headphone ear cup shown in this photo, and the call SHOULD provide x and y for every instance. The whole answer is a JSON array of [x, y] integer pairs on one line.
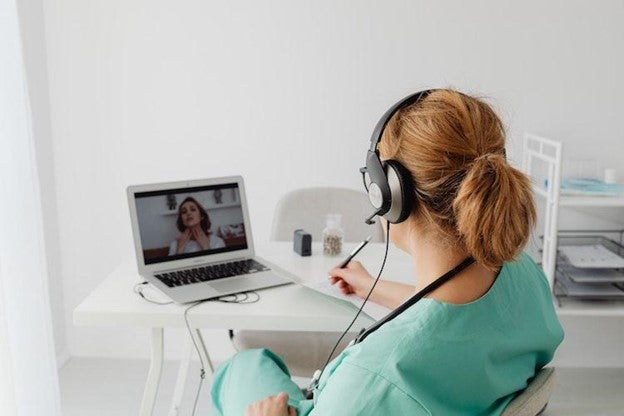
[[401, 191]]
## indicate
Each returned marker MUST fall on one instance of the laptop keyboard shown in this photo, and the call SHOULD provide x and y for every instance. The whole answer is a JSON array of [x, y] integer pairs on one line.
[[213, 272]]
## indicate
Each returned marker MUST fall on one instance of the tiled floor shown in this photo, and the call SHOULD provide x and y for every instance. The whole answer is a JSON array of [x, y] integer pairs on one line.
[[110, 387]]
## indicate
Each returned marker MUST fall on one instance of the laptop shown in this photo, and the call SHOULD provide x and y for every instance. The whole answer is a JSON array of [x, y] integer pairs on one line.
[[193, 239]]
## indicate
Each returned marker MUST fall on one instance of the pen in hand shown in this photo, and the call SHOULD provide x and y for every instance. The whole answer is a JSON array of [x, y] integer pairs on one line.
[[354, 253]]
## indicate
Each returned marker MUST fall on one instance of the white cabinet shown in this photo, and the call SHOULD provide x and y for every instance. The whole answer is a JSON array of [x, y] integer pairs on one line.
[[542, 162]]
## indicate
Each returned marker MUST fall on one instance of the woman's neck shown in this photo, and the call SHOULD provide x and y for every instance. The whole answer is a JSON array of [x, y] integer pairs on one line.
[[432, 260]]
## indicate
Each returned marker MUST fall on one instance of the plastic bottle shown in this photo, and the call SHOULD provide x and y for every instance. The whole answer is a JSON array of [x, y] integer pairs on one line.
[[332, 235]]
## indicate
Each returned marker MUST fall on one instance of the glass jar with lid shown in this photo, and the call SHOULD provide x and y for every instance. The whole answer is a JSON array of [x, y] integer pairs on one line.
[[333, 235]]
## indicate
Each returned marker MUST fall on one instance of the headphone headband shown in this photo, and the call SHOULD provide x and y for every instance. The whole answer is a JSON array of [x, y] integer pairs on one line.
[[390, 188], [385, 118]]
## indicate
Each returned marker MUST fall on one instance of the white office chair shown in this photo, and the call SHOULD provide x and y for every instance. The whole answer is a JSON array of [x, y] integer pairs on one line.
[[305, 352], [306, 208], [533, 400]]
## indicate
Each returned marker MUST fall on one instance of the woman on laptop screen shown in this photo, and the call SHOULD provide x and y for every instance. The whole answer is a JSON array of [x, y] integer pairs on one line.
[[194, 225], [477, 323]]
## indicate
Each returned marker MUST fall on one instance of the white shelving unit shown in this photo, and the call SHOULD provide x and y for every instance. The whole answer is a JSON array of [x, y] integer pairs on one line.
[[545, 153], [542, 162]]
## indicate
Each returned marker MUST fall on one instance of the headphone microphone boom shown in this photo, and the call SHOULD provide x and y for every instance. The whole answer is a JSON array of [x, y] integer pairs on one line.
[[389, 184], [370, 220]]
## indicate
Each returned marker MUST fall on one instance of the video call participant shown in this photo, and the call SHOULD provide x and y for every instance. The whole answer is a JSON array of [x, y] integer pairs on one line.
[[194, 225]]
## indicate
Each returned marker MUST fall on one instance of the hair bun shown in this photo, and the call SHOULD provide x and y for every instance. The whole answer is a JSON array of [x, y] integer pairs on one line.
[[494, 210]]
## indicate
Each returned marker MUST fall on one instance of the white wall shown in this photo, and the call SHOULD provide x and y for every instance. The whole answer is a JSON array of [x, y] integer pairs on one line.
[[286, 93]]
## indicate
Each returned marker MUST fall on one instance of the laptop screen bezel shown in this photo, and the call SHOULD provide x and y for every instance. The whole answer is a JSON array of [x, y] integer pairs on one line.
[[200, 259]]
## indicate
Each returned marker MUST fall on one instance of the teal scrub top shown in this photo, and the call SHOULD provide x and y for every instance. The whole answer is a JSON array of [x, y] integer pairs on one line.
[[445, 359]]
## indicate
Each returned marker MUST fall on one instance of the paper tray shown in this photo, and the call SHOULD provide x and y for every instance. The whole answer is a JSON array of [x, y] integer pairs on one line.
[[566, 287], [591, 274]]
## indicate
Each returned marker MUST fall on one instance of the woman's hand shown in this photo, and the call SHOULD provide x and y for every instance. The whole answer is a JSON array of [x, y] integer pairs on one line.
[[200, 236], [271, 406], [352, 279], [183, 239]]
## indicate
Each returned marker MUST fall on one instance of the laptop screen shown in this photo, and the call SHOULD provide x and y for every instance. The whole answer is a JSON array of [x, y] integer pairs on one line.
[[182, 223]]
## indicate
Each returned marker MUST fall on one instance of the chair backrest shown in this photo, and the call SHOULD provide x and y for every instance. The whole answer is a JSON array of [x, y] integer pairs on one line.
[[306, 208], [533, 400]]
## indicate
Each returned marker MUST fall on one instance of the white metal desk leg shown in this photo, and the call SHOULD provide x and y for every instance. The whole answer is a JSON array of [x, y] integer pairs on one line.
[[178, 392], [199, 341], [153, 377]]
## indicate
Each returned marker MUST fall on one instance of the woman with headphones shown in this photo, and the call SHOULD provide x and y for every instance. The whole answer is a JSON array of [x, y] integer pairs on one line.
[[479, 321]]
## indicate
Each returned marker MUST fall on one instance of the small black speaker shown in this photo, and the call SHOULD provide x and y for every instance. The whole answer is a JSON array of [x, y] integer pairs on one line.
[[302, 243]]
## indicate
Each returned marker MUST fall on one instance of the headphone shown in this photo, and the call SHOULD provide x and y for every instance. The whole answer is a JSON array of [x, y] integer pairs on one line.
[[389, 184]]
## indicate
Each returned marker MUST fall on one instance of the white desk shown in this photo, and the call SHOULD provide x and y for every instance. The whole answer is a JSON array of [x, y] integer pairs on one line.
[[291, 307]]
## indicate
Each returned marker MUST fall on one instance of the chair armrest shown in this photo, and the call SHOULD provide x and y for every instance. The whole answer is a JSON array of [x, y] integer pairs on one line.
[[532, 400]]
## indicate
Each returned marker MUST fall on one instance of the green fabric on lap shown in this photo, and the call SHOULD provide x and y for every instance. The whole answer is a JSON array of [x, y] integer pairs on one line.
[[252, 375]]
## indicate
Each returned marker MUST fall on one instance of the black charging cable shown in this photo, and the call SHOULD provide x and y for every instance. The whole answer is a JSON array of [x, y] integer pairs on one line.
[[308, 392]]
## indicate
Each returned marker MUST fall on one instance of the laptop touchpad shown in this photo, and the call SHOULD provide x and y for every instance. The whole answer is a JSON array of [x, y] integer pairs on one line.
[[233, 285]]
